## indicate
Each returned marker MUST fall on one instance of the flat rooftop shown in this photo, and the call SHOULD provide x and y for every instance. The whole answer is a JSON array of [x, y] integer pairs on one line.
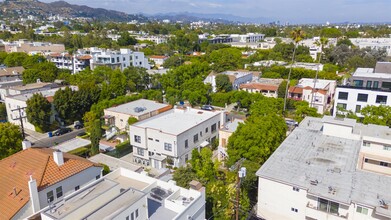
[[370, 73], [307, 156], [320, 83], [25, 97], [72, 144], [114, 163], [177, 121], [232, 125], [138, 107], [34, 86]]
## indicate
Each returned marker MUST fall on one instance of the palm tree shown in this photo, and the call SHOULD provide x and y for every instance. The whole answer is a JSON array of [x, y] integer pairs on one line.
[[297, 35], [320, 43]]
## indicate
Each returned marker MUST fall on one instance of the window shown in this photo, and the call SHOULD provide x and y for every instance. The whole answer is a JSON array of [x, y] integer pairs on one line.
[[381, 99], [186, 158], [369, 84], [384, 164], [195, 138], [186, 143], [206, 130], [167, 146], [117, 59], [59, 192], [375, 84], [358, 108], [213, 128], [341, 106], [362, 97], [97, 177], [50, 196], [151, 139], [201, 133], [366, 160], [157, 140], [136, 213], [140, 151], [366, 144], [132, 216], [77, 188], [362, 210], [358, 83], [386, 85], [328, 206], [296, 189], [343, 95], [137, 139], [386, 147], [127, 218]]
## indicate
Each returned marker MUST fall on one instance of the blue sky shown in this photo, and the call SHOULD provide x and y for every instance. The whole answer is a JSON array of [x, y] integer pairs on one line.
[[294, 11]]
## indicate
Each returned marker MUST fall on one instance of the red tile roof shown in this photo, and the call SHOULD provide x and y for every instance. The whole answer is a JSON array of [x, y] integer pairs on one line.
[[259, 86], [15, 173], [297, 90]]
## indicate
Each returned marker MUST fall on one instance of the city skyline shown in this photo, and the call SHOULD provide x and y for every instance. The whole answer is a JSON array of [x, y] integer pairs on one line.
[[301, 11]]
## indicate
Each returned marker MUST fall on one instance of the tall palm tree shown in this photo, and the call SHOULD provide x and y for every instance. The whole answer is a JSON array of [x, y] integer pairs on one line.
[[320, 43], [296, 35]]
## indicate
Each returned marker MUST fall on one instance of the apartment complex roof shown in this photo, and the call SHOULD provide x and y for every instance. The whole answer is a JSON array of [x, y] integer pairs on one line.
[[325, 165], [139, 107], [15, 172], [383, 67], [177, 121], [259, 86], [372, 73], [30, 86], [11, 71]]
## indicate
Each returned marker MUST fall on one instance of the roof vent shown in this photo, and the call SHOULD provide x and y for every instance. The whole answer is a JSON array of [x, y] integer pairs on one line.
[[139, 109], [314, 182]]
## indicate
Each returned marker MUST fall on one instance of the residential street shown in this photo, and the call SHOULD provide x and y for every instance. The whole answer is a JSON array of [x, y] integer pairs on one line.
[[42, 140]]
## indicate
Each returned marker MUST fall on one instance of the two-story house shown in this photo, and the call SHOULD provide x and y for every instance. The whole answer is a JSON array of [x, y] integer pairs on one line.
[[367, 86], [171, 136], [34, 178]]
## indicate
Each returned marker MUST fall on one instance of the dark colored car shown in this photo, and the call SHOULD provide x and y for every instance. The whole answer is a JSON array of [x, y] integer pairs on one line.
[[78, 125], [81, 134], [207, 108], [62, 131]]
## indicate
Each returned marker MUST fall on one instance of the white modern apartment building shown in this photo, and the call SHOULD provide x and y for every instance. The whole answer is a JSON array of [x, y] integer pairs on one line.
[[237, 78], [61, 60], [247, 38], [124, 194], [156, 39], [373, 43], [367, 86], [36, 177], [118, 59], [171, 136], [328, 169]]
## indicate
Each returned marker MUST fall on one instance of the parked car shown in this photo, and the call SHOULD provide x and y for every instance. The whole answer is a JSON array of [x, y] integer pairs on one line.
[[77, 125], [81, 134], [62, 131], [207, 108]]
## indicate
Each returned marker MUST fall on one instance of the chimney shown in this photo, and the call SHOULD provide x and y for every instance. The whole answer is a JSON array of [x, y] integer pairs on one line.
[[26, 144], [34, 198], [58, 157]]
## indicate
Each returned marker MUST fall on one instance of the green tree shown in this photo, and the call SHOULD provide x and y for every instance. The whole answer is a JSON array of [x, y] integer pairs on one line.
[[379, 115], [96, 134], [303, 110], [65, 105], [331, 32], [3, 112], [281, 91], [223, 84], [15, 59], [126, 39], [10, 139], [39, 111], [226, 59]]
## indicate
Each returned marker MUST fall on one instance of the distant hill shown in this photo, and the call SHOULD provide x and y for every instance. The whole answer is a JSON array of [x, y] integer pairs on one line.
[[64, 9], [225, 18]]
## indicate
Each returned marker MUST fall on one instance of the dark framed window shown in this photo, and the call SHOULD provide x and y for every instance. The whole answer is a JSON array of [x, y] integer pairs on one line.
[[50, 196], [195, 138], [375, 84], [381, 99], [369, 84], [362, 97], [213, 128], [386, 85], [343, 95], [59, 192], [358, 108], [186, 143], [384, 164], [77, 188], [358, 83], [167, 146], [137, 139]]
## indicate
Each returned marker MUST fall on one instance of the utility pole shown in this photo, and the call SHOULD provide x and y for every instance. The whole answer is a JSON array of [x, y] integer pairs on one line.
[[21, 119], [241, 175]]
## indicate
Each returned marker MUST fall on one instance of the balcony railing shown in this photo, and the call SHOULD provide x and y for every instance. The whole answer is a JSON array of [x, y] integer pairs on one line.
[[315, 207]]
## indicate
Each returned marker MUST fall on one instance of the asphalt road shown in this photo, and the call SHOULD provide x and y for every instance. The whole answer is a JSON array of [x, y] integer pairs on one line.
[[50, 142]]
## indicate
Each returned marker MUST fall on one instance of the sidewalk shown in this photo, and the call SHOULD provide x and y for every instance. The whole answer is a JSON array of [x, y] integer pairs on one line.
[[34, 136]]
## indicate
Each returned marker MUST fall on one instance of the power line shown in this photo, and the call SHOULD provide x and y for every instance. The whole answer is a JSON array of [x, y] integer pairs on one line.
[[20, 117]]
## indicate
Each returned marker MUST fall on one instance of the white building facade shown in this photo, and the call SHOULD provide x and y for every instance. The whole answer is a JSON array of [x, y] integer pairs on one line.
[[317, 173], [171, 136]]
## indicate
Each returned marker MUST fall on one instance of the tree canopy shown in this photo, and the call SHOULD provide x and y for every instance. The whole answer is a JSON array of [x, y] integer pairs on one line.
[[10, 139], [39, 111]]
